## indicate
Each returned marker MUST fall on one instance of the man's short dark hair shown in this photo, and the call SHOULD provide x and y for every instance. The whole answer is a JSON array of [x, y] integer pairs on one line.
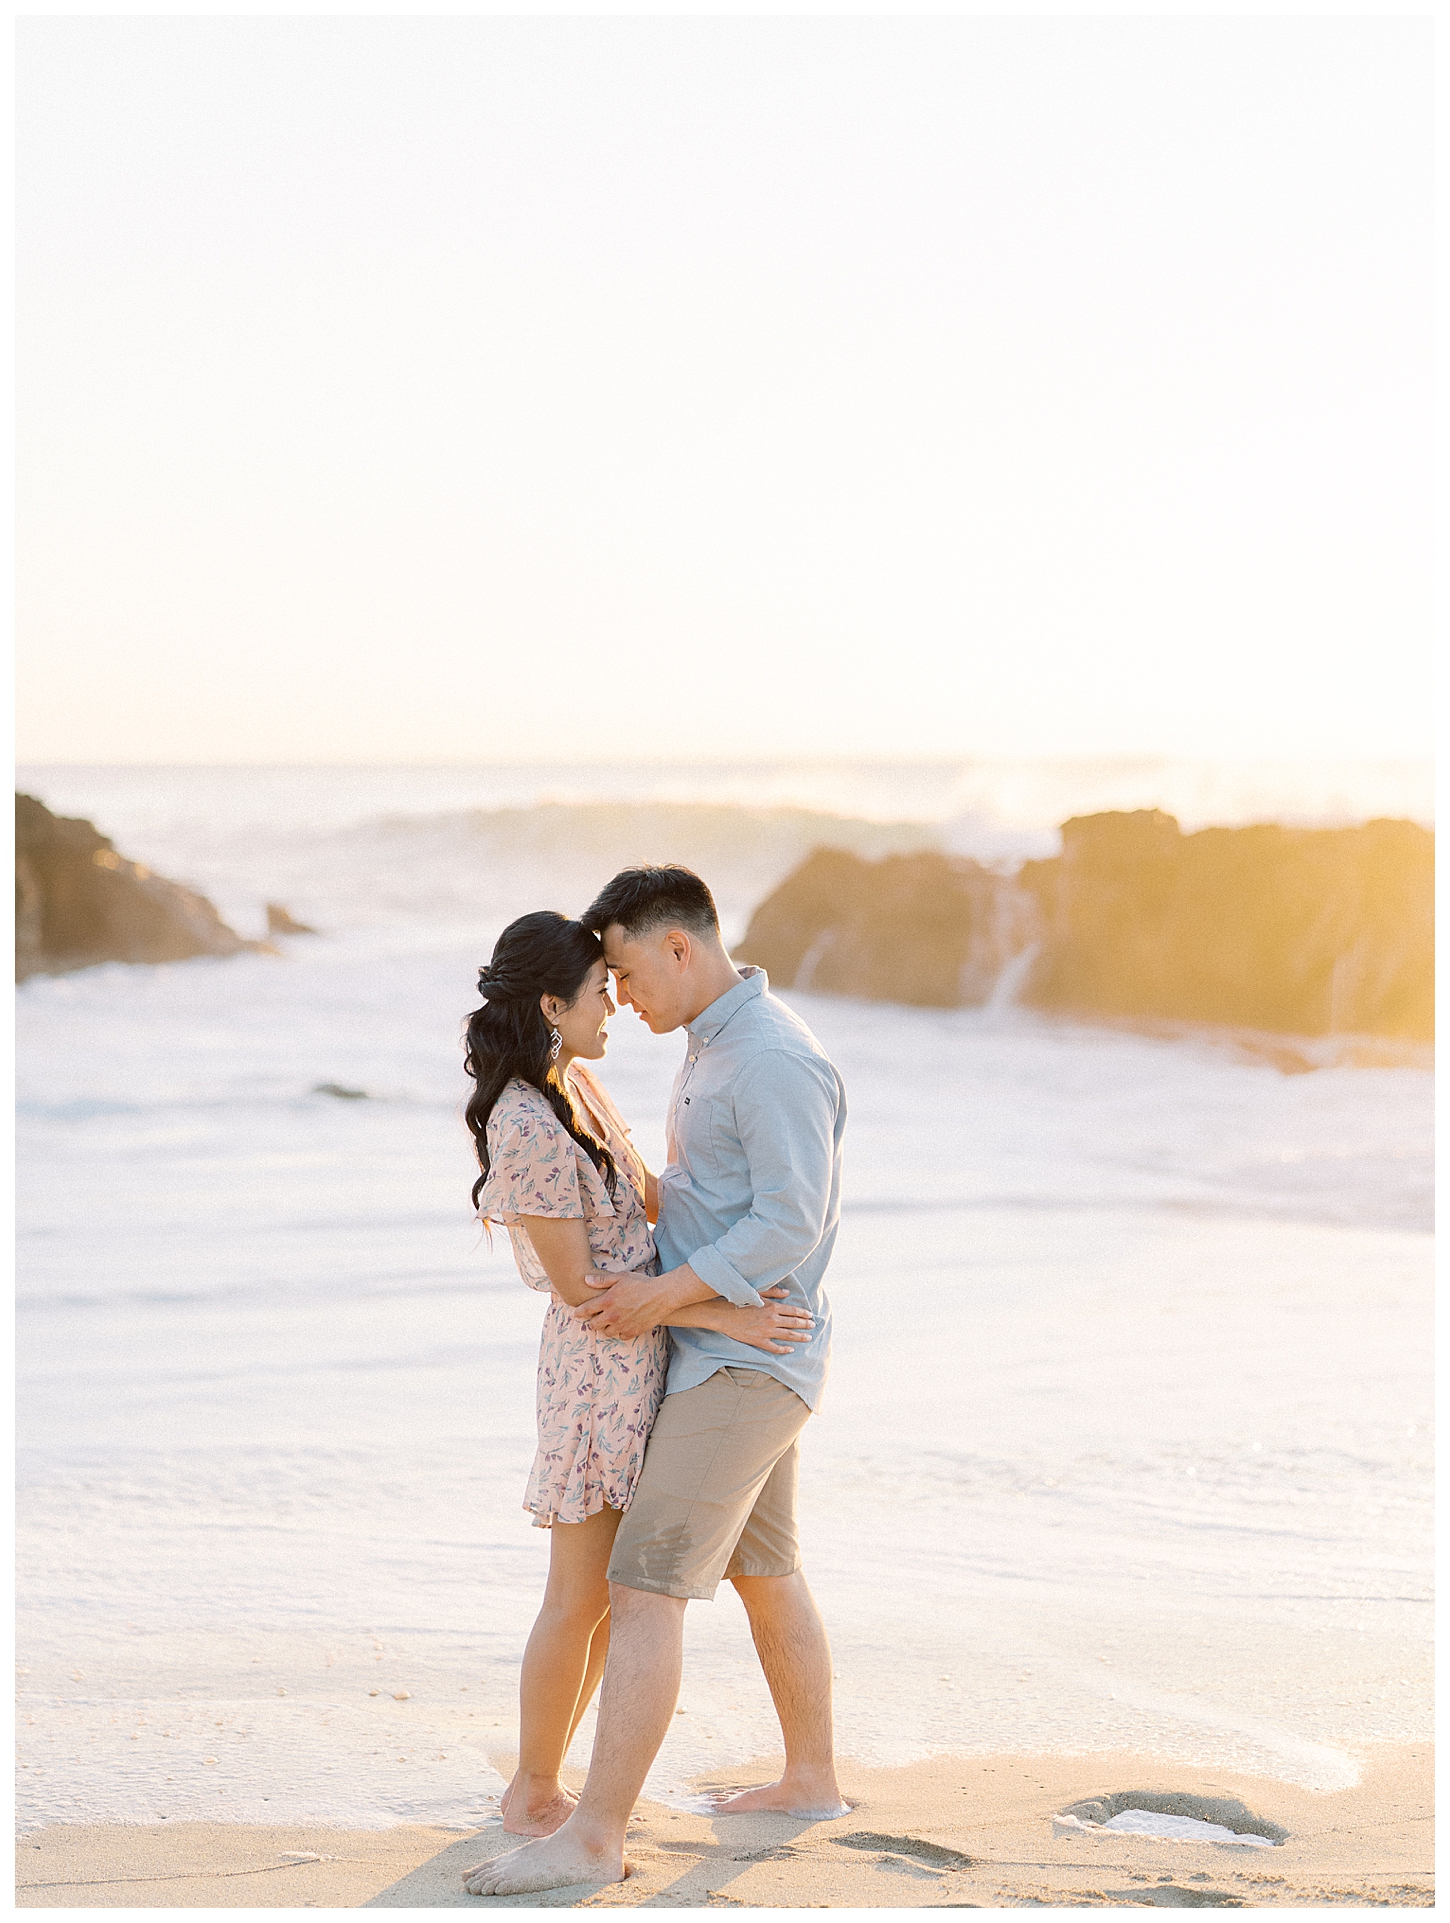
[[641, 899]]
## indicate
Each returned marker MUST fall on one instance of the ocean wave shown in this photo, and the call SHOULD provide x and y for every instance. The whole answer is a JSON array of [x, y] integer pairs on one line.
[[453, 867], [260, 1294], [563, 852], [189, 1103]]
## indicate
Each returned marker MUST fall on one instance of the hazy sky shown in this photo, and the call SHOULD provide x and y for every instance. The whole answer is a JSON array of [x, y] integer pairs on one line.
[[451, 388]]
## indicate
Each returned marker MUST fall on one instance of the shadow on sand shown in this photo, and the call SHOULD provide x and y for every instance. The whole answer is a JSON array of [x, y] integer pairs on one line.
[[674, 1873]]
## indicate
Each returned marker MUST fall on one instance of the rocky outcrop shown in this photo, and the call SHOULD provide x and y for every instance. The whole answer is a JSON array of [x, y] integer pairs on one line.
[[929, 929], [78, 902], [1289, 930], [1308, 931]]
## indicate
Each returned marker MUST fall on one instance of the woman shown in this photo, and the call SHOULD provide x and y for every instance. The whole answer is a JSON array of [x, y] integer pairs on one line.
[[557, 1168]]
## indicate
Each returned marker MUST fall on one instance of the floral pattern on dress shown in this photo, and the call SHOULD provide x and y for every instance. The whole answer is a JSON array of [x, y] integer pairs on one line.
[[597, 1397]]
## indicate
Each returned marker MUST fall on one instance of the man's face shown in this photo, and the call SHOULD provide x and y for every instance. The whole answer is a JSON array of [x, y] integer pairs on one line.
[[651, 974]]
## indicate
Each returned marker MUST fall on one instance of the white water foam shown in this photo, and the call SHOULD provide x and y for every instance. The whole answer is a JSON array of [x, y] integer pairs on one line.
[[1162, 1827], [1181, 1829]]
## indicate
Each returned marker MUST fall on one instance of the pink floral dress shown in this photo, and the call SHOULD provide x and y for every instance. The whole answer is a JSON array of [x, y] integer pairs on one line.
[[597, 1397]]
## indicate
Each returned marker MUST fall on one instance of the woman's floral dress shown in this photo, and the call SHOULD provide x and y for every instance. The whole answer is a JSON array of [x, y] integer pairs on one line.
[[597, 1397]]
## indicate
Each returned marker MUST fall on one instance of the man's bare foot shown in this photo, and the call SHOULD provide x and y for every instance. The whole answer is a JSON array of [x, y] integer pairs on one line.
[[820, 1799], [551, 1863]]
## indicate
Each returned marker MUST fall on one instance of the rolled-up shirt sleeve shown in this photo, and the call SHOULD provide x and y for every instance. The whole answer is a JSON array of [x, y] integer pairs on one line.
[[787, 1107]]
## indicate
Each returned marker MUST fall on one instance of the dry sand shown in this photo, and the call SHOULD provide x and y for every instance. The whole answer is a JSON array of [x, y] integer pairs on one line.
[[950, 1833]]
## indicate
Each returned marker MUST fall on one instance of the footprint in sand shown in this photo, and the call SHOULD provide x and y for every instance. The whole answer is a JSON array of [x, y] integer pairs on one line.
[[934, 1855]]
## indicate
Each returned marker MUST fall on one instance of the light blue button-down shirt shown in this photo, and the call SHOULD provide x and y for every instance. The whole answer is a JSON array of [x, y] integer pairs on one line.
[[751, 1195]]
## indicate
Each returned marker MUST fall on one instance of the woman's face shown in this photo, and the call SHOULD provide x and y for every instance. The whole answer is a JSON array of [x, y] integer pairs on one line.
[[581, 1026]]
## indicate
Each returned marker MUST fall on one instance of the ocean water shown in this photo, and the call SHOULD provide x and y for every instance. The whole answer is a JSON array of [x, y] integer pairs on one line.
[[1127, 1439]]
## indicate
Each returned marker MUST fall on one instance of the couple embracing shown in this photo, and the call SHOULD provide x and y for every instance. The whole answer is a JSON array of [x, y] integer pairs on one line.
[[684, 1347]]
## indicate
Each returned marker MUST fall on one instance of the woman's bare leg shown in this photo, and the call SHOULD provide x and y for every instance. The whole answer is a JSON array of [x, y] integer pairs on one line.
[[593, 1672], [557, 1667]]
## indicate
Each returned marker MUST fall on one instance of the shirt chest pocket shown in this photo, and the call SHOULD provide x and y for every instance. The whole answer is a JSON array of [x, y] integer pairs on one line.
[[693, 1109], [712, 1147]]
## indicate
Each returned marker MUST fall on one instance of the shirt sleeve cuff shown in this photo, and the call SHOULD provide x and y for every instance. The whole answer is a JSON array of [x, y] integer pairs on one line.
[[711, 1267]]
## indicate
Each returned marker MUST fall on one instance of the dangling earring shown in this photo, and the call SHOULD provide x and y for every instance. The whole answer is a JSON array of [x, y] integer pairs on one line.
[[555, 1044]]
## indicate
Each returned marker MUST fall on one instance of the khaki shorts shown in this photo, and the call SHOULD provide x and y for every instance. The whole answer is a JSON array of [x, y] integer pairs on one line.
[[717, 1493]]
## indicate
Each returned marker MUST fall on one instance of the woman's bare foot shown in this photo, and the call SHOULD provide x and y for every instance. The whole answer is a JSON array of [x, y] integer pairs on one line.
[[789, 1797], [551, 1863], [531, 1808], [540, 1819]]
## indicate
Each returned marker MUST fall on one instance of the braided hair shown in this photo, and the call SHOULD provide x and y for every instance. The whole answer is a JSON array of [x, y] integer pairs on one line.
[[539, 954]]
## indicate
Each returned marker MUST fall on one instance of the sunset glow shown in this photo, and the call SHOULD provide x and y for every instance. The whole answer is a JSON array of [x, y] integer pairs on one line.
[[448, 389]]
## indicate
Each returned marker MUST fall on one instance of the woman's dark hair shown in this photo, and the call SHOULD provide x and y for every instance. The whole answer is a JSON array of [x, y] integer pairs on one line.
[[541, 954]]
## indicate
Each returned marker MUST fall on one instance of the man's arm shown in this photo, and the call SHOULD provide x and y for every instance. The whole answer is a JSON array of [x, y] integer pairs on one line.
[[786, 1108], [631, 1305], [624, 1308], [562, 1246]]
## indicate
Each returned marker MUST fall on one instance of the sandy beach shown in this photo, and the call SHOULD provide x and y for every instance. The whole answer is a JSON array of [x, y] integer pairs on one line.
[[955, 1832]]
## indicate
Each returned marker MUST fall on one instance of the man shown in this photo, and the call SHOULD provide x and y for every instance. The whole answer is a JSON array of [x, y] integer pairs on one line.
[[750, 1198]]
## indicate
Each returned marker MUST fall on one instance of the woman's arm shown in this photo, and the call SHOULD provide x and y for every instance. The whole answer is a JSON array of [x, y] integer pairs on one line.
[[774, 1326], [562, 1246]]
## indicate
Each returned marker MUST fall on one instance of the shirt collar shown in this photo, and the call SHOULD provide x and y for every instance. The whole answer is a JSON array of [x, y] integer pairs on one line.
[[708, 1023]]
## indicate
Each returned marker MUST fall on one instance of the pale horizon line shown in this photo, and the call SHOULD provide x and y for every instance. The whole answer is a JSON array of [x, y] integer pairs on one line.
[[1120, 757]]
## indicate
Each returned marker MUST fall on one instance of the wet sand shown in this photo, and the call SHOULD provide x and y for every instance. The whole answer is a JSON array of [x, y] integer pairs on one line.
[[954, 1832]]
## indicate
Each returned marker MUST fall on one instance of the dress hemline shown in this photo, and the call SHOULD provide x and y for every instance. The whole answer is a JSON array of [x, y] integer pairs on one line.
[[545, 1518]]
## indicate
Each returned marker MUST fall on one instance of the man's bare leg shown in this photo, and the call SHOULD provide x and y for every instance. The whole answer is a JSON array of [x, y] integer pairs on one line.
[[790, 1640], [641, 1688]]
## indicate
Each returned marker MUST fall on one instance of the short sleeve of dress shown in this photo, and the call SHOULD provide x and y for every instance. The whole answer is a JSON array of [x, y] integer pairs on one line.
[[532, 1168]]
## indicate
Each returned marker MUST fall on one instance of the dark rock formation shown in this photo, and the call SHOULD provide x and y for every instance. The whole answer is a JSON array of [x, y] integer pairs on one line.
[[1288, 930], [280, 921], [924, 928], [77, 902]]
